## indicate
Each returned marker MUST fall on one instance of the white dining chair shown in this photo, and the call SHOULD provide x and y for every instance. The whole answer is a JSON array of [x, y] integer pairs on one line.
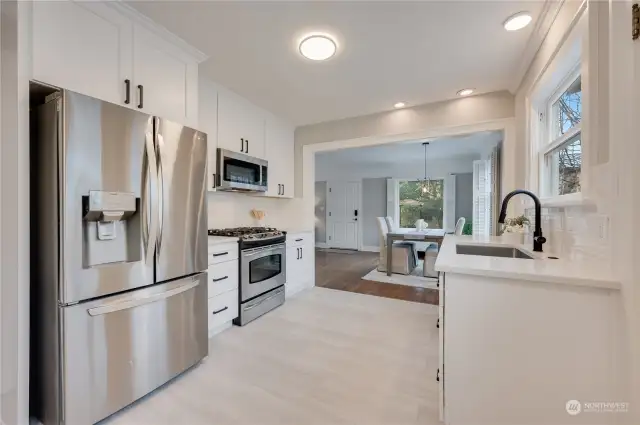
[[403, 253], [460, 225]]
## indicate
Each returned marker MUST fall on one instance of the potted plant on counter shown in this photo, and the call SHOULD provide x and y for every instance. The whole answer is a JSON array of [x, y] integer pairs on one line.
[[515, 228]]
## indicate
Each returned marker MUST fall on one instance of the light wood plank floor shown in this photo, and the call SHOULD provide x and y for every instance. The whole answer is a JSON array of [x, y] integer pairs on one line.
[[325, 357]]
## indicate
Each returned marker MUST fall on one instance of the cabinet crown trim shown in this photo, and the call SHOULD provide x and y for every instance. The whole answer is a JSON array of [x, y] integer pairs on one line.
[[157, 29]]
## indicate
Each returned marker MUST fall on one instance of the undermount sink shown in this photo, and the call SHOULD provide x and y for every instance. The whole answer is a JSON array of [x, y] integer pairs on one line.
[[492, 251]]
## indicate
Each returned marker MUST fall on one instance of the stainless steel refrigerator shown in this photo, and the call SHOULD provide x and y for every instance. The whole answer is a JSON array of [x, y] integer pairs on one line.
[[119, 256]]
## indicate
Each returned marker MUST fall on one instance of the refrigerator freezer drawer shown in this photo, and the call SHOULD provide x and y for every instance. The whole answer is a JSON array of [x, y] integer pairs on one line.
[[117, 349]]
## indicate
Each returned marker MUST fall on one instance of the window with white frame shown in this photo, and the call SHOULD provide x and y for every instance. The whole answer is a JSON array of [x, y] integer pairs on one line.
[[560, 146], [558, 120]]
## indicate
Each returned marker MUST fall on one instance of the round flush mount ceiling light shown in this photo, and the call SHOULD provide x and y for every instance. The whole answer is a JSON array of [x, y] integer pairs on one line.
[[465, 92], [399, 105], [317, 47], [518, 21]]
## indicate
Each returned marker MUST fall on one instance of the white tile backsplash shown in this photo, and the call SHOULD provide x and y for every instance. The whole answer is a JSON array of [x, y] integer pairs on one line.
[[579, 232], [229, 209]]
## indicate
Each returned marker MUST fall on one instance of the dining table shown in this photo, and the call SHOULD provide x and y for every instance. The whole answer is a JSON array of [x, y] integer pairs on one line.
[[412, 235]]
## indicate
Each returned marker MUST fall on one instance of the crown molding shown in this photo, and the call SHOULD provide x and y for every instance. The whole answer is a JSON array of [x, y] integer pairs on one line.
[[157, 29], [543, 24]]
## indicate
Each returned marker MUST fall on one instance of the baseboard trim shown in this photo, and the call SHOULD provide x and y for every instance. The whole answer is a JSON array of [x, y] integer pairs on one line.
[[321, 245], [370, 248]]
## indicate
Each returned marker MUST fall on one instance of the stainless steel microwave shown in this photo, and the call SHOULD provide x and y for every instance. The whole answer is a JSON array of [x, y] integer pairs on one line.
[[240, 172]]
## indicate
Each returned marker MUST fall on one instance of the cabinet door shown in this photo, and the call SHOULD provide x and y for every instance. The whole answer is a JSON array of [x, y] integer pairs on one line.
[[294, 265], [280, 150], [241, 125], [84, 47], [168, 78], [208, 122]]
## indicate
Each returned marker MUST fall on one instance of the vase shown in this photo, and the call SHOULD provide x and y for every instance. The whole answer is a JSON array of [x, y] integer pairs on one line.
[[516, 238]]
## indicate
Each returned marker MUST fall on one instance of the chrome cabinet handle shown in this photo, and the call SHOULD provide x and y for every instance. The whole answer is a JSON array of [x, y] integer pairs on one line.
[[246, 150], [221, 310], [241, 144], [219, 279], [124, 305]]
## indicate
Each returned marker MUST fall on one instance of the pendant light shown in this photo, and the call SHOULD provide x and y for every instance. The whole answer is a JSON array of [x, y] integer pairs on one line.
[[426, 183]]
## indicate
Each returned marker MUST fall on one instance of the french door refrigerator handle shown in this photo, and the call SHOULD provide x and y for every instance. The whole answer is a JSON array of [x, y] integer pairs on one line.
[[148, 204], [136, 302], [160, 191]]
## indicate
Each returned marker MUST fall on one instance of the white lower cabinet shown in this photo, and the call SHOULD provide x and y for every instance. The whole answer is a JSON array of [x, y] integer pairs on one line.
[[300, 262], [223, 280], [515, 351], [223, 309]]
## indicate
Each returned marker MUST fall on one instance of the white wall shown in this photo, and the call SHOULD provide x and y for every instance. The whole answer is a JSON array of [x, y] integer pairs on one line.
[[329, 169], [589, 230], [431, 117], [14, 219]]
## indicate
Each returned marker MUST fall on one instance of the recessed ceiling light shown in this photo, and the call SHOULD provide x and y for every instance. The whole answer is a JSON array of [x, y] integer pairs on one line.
[[517, 21], [317, 47], [465, 92], [399, 105]]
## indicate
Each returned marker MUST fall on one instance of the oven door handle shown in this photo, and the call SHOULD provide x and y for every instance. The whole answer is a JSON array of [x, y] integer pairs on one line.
[[280, 248], [275, 294]]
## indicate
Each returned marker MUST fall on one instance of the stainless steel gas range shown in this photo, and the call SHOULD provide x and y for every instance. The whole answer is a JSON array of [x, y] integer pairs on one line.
[[262, 270]]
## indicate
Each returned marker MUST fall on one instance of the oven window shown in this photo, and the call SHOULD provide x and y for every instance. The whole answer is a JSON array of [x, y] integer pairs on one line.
[[264, 268], [239, 171]]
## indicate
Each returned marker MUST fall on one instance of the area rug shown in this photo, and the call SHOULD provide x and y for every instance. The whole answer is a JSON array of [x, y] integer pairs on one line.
[[415, 279]]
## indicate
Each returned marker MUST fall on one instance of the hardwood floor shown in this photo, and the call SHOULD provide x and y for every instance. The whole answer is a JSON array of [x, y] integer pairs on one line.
[[325, 357], [344, 271]]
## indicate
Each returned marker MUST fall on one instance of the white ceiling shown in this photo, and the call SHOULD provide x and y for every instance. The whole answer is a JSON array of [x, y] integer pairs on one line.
[[389, 51], [446, 148]]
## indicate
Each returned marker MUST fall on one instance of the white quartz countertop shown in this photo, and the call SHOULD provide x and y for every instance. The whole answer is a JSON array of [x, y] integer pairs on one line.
[[217, 240], [594, 274]]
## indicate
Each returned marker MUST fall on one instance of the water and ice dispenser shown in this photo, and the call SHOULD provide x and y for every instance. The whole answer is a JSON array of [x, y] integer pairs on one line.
[[111, 228]]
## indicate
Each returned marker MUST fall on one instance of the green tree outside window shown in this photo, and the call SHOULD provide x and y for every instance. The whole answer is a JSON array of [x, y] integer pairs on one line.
[[415, 204]]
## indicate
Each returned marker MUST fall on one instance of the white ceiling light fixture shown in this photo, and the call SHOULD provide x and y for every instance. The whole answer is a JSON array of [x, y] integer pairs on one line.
[[465, 92], [518, 21], [399, 105], [318, 47]]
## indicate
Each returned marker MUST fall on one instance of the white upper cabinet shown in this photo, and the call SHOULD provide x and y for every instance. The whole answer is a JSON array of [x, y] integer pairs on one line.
[[85, 47], [280, 149], [166, 78], [241, 125], [208, 122], [109, 51]]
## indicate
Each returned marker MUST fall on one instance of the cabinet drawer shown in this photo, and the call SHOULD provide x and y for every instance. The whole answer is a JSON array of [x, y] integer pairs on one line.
[[222, 277], [223, 308], [223, 252], [298, 239]]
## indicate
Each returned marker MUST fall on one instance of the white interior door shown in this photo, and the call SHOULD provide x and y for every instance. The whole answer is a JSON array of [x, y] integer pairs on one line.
[[343, 213]]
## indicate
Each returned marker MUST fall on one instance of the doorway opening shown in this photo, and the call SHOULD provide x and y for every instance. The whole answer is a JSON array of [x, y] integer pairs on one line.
[[412, 185]]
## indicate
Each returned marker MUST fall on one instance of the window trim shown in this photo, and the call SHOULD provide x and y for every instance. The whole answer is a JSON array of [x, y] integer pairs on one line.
[[570, 58]]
